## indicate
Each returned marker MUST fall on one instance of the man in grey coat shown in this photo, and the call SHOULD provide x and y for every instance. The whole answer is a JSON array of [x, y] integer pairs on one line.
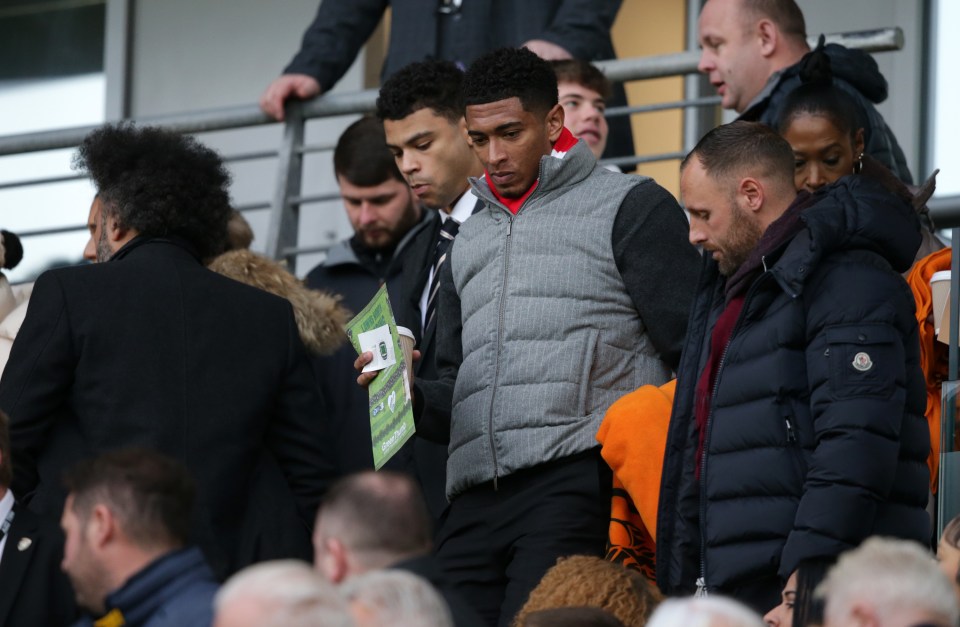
[[568, 290]]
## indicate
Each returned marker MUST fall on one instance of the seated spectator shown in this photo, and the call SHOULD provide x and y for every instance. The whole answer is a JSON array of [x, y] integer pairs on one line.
[[127, 518], [948, 553], [282, 593], [712, 611], [822, 124], [571, 617], [33, 590], [888, 583], [583, 91], [394, 598], [799, 605], [376, 520], [587, 581]]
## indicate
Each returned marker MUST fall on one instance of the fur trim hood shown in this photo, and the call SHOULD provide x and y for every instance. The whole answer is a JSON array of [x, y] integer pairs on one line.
[[320, 316]]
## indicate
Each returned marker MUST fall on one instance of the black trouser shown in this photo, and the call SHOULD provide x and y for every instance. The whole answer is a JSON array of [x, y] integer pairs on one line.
[[495, 545]]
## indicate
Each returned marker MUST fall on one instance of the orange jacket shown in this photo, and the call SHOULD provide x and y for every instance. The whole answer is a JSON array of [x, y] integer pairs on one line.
[[633, 436]]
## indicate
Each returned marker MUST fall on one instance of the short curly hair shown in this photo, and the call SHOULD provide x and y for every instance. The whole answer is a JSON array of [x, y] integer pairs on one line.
[[428, 84], [511, 73], [159, 183], [588, 581]]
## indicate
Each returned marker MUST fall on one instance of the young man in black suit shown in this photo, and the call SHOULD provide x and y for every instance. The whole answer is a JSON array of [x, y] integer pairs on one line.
[[150, 348], [422, 115]]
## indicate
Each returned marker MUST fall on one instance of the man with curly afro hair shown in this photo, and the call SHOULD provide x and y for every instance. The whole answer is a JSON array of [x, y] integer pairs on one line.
[[150, 348], [569, 289], [153, 183]]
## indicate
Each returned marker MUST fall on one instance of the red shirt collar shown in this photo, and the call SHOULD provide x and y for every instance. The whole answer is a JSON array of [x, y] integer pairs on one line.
[[564, 143]]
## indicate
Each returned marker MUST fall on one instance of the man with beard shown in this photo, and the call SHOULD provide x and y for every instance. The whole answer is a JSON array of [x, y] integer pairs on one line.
[[151, 348], [386, 220], [798, 428]]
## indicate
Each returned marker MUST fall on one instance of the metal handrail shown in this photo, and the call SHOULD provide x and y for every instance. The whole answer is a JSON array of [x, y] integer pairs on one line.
[[287, 199], [225, 118]]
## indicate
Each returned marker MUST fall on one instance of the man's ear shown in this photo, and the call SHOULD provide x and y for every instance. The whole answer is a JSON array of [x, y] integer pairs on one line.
[[116, 232], [554, 122], [750, 194], [101, 526], [334, 561], [863, 616], [769, 37]]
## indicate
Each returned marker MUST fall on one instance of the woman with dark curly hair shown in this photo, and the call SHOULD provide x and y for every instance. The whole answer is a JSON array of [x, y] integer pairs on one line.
[[587, 581]]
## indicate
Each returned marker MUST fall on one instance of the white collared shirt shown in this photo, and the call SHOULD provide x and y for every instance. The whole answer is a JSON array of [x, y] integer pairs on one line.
[[6, 504], [461, 211]]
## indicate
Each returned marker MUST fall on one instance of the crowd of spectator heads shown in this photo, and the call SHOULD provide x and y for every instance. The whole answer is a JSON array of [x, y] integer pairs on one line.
[[883, 583], [140, 502]]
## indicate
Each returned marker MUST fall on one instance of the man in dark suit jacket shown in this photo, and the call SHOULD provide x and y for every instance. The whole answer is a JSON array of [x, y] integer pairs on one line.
[[423, 121], [376, 520], [452, 30], [33, 590], [152, 349], [387, 223]]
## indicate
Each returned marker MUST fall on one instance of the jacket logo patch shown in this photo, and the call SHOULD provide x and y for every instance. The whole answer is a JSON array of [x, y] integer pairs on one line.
[[862, 362], [24, 544]]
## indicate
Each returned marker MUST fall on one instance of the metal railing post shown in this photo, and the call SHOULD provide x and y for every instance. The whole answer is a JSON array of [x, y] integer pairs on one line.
[[285, 215]]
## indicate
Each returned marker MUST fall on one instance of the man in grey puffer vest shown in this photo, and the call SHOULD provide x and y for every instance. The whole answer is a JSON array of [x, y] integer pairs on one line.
[[570, 289]]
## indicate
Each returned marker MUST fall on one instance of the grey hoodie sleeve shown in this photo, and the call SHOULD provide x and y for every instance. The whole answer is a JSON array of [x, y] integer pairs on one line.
[[658, 264]]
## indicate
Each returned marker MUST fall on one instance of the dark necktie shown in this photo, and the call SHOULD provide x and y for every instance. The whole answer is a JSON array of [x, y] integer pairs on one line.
[[448, 231]]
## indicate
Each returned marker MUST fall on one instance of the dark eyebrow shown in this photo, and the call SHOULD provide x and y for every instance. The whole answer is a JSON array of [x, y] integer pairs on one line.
[[378, 199], [507, 126], [416, 137]]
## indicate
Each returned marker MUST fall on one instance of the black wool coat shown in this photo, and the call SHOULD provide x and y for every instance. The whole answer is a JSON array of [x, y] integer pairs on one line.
[[152, 349]]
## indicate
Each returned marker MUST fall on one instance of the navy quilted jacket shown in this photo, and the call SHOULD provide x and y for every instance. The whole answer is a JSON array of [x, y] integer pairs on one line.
[[816, 437]]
